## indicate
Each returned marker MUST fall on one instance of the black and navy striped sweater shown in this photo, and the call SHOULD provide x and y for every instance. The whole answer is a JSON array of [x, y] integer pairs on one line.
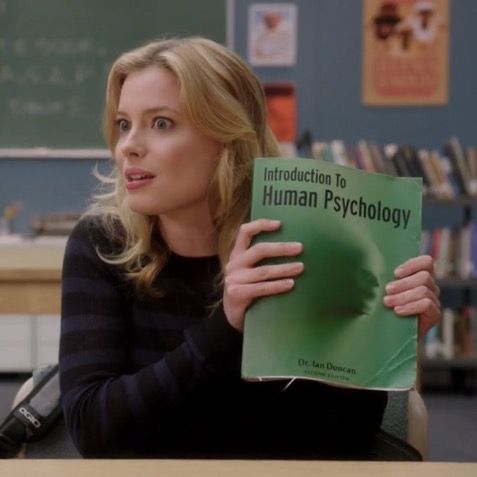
[[160, 377]]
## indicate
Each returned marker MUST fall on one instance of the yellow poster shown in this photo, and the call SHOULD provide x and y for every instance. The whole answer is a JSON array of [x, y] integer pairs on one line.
[[405, 52]]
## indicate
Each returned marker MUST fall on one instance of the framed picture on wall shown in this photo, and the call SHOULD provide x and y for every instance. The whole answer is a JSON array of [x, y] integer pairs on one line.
[[272, 32], [405, 52]]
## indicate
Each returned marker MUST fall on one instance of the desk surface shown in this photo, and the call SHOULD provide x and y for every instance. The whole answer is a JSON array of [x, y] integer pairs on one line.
[[231, 468], [31, 257], [30, 275]]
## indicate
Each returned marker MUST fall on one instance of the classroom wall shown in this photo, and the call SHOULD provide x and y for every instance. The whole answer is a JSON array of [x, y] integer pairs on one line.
[[43, 186], [328, 78]]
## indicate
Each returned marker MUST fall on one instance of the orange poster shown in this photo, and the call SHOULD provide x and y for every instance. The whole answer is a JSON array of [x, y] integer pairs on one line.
[[405, 57], [281, 106]]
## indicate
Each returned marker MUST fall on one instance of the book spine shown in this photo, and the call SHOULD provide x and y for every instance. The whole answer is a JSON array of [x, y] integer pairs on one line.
[[471, 154], [453, 151], [448, 319], [433, 344], [365, 156], [451, 187]]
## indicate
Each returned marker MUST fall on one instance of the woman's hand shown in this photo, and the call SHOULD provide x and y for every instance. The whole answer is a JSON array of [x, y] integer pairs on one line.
[[244, 281], [414, 292]]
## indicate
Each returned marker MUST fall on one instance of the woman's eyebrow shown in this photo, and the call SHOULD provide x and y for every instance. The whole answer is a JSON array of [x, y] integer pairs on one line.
[[152, 110]]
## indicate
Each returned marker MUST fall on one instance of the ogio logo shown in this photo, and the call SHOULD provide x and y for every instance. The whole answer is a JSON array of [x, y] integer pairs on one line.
[[25, 412]]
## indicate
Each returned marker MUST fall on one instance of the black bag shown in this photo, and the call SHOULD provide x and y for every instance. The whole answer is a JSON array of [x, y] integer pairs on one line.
[[33, 416]]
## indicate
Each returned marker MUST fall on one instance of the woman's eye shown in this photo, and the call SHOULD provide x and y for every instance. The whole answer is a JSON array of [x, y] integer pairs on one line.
[[122, 124], [162, 123]]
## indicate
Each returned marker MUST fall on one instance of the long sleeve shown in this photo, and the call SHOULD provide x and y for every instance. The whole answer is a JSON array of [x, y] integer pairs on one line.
[[144, 377], [126, 366]]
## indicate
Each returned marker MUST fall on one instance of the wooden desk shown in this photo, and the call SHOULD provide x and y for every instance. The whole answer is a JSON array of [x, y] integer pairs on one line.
[[30, 276], [231, 468]]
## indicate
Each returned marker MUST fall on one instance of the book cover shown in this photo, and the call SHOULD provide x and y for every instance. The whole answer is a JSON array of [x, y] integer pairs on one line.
[[356, 228]]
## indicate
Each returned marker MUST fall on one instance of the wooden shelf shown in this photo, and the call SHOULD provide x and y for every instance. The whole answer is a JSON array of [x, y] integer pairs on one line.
[[455, 282], [456, 202], [469, 363]]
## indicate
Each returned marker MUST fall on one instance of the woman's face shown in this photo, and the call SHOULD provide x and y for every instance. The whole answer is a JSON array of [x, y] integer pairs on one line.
[[167, 164]]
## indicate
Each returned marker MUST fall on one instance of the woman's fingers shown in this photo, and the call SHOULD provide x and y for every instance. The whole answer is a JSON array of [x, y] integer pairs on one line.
[[244, 280], [264, 273], [411, 295], [418, 307], [249, 230], [415, 292], [247, 292], [429, 313], [250, 257], [420, 278], [414, 265], [428, 319]]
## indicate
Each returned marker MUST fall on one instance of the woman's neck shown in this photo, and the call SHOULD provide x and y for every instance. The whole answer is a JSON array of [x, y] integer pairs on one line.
[[189, 239]]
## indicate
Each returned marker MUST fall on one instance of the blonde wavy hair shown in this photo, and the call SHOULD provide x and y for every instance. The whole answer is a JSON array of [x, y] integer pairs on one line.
[[225, 101]]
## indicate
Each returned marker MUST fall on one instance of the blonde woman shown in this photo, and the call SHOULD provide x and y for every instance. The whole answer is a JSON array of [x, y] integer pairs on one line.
[[158, 274]]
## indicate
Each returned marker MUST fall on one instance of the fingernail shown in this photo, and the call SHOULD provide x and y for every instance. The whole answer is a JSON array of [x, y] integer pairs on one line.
[[297, 245], [398, 271], [299, 266], [390, 287], [289, 282], [387, 300]]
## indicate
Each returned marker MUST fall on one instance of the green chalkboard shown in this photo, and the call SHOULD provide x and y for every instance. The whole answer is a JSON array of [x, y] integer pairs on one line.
[[55, 55]]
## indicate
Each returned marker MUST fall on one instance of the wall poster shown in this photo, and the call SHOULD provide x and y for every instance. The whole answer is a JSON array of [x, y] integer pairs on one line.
[[272, 32], [405, 52], [281, 107]]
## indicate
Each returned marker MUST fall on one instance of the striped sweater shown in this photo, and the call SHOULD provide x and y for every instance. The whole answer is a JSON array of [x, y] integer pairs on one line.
[[160, 377]]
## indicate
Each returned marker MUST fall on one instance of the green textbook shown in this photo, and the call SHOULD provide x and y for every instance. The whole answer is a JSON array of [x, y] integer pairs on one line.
[[356, 227]]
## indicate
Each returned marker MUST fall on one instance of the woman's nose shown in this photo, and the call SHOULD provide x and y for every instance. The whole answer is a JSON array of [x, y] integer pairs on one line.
[[133, 144]]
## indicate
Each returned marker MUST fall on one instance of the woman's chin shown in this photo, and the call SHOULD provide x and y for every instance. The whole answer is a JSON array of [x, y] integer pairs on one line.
[[140, 207]]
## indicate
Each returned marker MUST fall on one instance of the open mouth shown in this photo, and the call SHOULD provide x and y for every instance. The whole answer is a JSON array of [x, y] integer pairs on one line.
[[138, 177]]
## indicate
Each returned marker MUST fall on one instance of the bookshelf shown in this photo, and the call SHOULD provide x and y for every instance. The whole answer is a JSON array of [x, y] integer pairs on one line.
[[450, 195], [457, 293]]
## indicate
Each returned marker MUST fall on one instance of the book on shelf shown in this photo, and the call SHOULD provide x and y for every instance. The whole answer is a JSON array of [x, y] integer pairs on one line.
[[356, 228], [448, 319], [365, 159], [339, 152], [431, 176], [454, 250], [464, 258], [466, 330], [411, 158], [454, 151], [471, 154], [438, 176], [384, 164], [455, 335], [433, 345], [442, 253], [446, 175]]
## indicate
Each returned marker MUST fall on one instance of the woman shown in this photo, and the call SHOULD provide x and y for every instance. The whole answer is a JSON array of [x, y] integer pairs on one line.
[[158, 275]]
